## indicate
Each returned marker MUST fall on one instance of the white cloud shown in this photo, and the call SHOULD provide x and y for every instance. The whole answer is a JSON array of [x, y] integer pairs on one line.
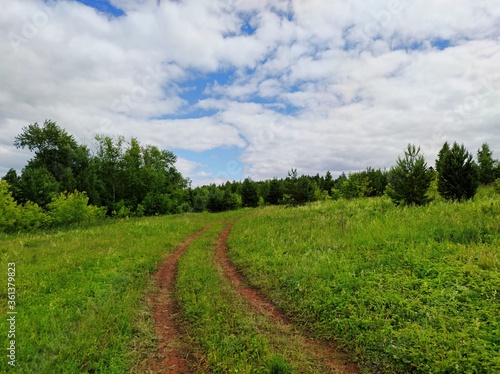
[[362, 79]]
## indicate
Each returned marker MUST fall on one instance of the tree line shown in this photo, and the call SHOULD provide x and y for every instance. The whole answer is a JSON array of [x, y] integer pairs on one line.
[[68, 182]]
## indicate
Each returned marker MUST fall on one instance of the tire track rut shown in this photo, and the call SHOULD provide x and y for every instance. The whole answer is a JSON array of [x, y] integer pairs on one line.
[[169, 358], [336, 360]]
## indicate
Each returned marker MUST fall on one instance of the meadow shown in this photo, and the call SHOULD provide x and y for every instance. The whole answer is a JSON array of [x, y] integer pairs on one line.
[[81, 293], [404, 290], [411, 289]]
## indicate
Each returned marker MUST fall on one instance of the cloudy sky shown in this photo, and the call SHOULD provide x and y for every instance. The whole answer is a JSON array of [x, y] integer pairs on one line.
[[240, 88]]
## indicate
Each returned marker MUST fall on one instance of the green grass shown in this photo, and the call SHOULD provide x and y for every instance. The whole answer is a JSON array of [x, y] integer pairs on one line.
[[228, 337], [81, 293], [403, 289]]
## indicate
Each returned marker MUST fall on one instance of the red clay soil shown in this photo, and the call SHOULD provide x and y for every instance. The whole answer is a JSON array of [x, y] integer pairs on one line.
[[334, 359], [165, 310]]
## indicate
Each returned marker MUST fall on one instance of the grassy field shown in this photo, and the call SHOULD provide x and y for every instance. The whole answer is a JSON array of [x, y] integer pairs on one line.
[[81, 293], [403, 289], [228, 337]]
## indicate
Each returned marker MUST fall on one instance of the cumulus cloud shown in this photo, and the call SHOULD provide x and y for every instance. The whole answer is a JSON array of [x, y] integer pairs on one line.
[[308, 84]]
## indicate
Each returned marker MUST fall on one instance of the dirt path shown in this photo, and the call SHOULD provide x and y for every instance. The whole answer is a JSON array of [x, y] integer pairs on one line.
[[165, 310], [335, 360]]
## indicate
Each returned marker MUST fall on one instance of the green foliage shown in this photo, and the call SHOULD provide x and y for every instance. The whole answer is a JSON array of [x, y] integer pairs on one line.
[[200, 199], [357, 185], [9, 211], [32, 217], [486, 165], [69, 208], [410, 179], [275, 194], [36, 184], [458, 174], [137, 175], [278, 365], [15, 217], [220, 200], [298, 190], [56, 151], [249, 194], [496, 185]]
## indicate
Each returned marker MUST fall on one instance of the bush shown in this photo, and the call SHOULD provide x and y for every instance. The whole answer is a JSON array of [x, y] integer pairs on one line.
[[496, 185], [17, 217], [68, 208], [9, 210], [32, 217], [156, 203]]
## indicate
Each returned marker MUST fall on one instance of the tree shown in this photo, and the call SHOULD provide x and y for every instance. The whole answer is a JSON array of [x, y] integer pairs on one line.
[[328, 183], [458, 174], [55, 150], [410, 179], [13, 181], [486, 163], [275, 194], [442, 153], [298, 190], [37, 185], [249, 194]]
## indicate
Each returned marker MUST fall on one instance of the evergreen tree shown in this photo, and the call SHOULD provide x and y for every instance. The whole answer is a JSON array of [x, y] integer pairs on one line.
[[328, 183], [298, 190], [275, 194], [458, 177], [410, 179], [249, 194], [486, 163], [442, 152]]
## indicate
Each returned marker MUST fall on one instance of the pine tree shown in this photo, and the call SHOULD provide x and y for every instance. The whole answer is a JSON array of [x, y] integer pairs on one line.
[[486, 165], [410, 179], [439, 162], [458, 177], [275, 192]]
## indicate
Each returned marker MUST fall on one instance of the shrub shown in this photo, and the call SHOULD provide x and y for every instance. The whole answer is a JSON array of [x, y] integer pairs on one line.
[[9, 210], [496, 185], [15, 217], [32, 217], [67, 208]]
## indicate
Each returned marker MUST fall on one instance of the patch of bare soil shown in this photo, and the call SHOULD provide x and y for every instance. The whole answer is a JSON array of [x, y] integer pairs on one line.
[[336, 360], [169, 357]]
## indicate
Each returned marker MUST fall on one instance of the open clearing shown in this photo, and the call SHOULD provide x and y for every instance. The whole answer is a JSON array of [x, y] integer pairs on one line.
[[268, 290]]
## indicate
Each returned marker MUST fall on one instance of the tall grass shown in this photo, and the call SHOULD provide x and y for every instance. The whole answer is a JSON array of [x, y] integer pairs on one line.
[[410, 289]]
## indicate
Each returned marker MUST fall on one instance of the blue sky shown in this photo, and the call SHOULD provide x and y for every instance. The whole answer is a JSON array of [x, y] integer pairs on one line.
[[237, 88], [103, 6]]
